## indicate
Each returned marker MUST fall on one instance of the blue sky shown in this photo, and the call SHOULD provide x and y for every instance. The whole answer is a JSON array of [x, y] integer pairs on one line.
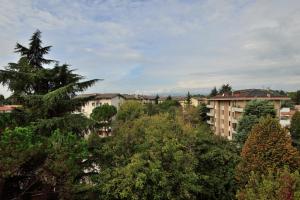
[[163, 46]]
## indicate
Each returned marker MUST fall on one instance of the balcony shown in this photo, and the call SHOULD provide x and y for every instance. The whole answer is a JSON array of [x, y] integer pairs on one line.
[[237, 109], [233, 131], [233, 120], [210, 122], [211, 113], [209, 106]]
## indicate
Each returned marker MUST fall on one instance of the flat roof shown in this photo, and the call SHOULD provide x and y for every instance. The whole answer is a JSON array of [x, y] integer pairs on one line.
[[249, 94]]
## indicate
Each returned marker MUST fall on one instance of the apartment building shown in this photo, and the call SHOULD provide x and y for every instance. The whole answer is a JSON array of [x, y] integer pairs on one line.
[[97, 99], [227, 109], [195, 101]]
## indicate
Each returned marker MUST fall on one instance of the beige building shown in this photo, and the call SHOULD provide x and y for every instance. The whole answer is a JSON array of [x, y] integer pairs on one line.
[[140, 98], [97, 99], [227, 109], [195, 101]]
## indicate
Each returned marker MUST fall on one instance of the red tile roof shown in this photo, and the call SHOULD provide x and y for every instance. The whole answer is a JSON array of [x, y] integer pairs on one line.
[[7, 108], [250, 94]]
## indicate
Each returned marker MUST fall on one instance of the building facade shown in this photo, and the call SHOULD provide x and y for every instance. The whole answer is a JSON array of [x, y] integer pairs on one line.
[[227, 109], [97, 99]]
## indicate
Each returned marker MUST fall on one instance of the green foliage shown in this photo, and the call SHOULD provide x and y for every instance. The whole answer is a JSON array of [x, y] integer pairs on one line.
[[225, 88], [253, 112], [192, 116], [158, 157], [130, 110], [295, 96], [203, 110], [169, 105], [156, 99], [63, 166], [295, 130], [188, 99], [280, 185], [35, 52], [104, 113], [147, 154], [260, 108], [213, 92], [6, 121], [151, 109], [39, 160], [17, 146], [267, 147], [216, 162], [287, 104]]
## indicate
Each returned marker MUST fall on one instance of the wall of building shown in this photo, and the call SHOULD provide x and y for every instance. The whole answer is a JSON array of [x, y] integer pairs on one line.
[[227, 113], [87, 109]]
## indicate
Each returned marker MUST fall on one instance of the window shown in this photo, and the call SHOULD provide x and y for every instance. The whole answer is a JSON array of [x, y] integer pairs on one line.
[[229, 133], [93, 104], [229, 113], [229, 123], [222, 112]]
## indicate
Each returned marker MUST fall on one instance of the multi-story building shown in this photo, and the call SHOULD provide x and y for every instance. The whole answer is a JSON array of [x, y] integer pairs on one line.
[[227, 109], [196, 101], [286, 115], [140, 98], [97, 99]]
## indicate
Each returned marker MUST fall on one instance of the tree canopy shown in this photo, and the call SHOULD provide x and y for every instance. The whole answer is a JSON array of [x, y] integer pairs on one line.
[[104, 113], [295, 129], [225, 88], [278, 185], [268, 147], [39, 154], [253, 112]]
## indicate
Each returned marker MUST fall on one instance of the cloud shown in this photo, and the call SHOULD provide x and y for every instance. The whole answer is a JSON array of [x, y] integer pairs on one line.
[[164, 46]]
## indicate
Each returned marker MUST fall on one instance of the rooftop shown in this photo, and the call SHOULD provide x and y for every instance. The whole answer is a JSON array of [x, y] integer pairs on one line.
[[250, 94], [100, 95], [6, 108]]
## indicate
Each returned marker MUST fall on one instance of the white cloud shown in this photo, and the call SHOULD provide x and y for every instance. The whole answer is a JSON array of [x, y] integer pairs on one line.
[[181, 45]]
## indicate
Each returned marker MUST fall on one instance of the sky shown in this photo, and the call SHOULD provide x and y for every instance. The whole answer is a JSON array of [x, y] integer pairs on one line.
[[163, 46]]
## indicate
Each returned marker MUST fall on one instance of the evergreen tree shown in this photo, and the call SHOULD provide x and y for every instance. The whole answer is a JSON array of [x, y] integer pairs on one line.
[[295, 130], [213, 92], [225, 88], [203, 110], [188, 99], [156, 99], [296, 97], [48, 103], [267, 147], [253, 111], [35, 52]]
